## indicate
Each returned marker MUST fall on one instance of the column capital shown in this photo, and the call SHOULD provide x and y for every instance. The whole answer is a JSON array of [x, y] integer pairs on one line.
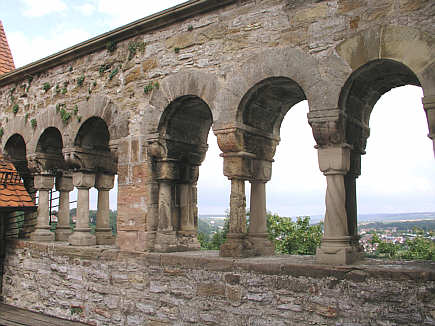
[[167, 170], [64, 183], [43, 182], [262, 171], [334, 160], [104, 181], [238, 165], [83, 180]]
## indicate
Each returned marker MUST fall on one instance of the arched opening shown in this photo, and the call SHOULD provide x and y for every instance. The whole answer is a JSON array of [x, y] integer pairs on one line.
[[93, 135], [15, 150], [94, 174], [361, 92], [260, 113], [398, 174], [183, 133], [20, 224]]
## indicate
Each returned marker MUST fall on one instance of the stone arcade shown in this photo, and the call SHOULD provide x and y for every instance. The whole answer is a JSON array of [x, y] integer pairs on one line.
[[234, 67], [139, 101]]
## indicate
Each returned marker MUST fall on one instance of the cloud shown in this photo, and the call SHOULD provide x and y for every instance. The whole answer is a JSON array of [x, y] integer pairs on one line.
[[26, 49], [37, 8], [126, 11], [86, 9]]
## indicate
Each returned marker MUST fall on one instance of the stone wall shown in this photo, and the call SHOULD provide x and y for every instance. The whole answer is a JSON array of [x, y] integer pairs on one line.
[[220, 53], [105, 286]]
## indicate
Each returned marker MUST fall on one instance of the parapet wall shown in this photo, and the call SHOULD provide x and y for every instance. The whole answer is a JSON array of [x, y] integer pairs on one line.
[[105, 286]]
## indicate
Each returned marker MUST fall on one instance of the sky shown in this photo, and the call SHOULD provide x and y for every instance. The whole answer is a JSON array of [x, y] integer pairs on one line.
[[398, 171]]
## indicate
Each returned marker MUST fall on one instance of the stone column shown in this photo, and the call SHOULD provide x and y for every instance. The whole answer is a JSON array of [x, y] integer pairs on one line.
[[429, 107], [30, 218], [166, 238], [43, 183], [103, 231], [238, 168], [351, 198], [337, 246], [187, 234], [257, 232], [81, 235], [64, 184]]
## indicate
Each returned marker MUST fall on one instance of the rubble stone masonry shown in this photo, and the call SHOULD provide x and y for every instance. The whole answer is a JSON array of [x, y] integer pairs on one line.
[[105, 286]]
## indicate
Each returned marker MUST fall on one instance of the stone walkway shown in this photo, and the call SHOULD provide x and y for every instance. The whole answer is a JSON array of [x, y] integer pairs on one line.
[[12, 316]]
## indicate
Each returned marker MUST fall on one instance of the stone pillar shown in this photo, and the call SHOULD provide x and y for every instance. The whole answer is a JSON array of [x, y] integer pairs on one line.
[[188, 233], [81, 235], [43, 183], [166, 238], [337, 245], [30, 218], [238, 168], [429, 107], [103, 231], [64, 184], [351, 198], [257, 233]]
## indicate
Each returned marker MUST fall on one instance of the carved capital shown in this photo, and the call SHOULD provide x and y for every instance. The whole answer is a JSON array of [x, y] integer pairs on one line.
[[64, 183], [429, 107], [104, 181], [40, 162], [230, 140], [238, 165], [262, 170], [83, 180], [157, 149], [328, 126], [77, 158], [167, 170], [43, 182], [334, 160]]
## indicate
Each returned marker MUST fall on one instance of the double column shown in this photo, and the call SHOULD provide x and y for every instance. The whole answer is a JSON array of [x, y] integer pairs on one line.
[[339, 245]]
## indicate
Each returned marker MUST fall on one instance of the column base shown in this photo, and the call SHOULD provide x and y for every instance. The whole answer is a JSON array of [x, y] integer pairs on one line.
[[237, 246], [166, 241], [104, 236], [187, 241], [63, 233], [82, 237], [338, 251], [261, 244], [42, 235]]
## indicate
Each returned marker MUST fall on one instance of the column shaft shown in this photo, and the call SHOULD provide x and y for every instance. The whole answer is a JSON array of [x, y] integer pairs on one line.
[[64, 185], [44, 183], [81, 235], [257, 220], [237, 224]]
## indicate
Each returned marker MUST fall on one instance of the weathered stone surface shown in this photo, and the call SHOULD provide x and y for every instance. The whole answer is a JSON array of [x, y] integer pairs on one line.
[[235, 66], [104, 286]]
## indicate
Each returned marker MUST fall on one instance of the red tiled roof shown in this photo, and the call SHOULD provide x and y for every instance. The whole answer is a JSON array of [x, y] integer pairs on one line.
[[6, 60], [13, 194]]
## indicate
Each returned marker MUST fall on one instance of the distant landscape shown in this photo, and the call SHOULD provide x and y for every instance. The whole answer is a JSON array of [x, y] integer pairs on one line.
[[362, 218]]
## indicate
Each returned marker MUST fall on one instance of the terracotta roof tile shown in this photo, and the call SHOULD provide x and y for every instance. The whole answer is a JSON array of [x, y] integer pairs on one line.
[[6, 60], [13, 194]]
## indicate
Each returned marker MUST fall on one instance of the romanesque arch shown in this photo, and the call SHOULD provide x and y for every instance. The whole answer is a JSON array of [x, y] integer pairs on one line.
[[177, 154], [379, 59]]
